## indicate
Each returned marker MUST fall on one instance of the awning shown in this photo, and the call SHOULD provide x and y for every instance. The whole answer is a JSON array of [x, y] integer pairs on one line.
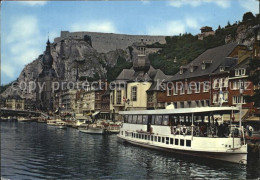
[[95, 113], [226, 117]]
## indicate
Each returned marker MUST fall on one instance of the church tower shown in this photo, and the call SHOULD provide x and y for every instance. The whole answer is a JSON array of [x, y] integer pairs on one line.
[[44, 91], [142, 64]]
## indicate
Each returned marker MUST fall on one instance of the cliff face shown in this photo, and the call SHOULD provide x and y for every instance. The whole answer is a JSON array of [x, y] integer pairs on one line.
[[69, 56]]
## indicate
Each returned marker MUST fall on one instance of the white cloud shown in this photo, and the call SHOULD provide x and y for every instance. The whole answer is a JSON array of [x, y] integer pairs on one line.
[[174, 27], [23, 42], [8, 70], [195, 3], [33, 3], [192, 23], [97, 26], [169, 28], [250, 5], [145, 1]]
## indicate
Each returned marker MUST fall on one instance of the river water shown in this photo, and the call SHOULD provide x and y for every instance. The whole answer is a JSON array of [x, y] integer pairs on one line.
[[37, 151]]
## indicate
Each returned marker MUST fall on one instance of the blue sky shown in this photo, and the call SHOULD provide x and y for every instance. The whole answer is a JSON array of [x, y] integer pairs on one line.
[[25, 25]]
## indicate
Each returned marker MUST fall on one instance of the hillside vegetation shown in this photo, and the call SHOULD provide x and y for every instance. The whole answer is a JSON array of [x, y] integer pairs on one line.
[[187, 47]]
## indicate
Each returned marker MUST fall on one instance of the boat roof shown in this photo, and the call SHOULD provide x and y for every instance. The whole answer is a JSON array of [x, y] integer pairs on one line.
[[184, 111]]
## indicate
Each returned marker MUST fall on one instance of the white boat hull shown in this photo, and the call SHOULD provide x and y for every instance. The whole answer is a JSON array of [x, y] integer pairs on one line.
[[228, 156], [92, 130]]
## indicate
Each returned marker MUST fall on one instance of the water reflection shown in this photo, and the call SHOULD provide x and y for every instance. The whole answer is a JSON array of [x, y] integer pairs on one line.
[[32, 150]]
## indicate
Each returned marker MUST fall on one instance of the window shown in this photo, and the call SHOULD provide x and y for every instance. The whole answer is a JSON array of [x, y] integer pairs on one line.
[[153, 119], [238, 100], [167, 140], [169, 91], [182, 142], [202, 103], [197, 87], [134, 93], [215, 83], [235, 85], [189, 89], [197, 104], [226, 82], [163, 139], [206, 86], [159, 139], [215, 97], [165, 120], [145, 119], [181, 71], [221, 69], [181, 89], [175, 105], [129, 119], [176, 141], [139, 119], [182, 104], [151, 138], [225, 97], [145, 137], [175, 90], [191, 68], [189, 103], [119, 97], [148, 137], [207, 103], [134, 119], [158, 120], [171, 140], [155, 138], [188, 143], [203, 66], [240, 72]]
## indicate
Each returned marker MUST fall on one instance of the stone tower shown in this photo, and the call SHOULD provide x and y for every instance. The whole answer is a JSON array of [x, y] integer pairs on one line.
[[142, 63], [44, 91]]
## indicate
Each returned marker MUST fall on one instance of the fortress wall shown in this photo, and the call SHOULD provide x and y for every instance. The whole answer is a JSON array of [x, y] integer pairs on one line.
[[104, 42]]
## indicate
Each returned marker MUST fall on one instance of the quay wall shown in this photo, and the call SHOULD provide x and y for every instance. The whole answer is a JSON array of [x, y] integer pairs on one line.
[[105, 42]]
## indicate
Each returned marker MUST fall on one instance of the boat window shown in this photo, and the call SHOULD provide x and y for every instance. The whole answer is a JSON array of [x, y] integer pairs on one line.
[[166, 120], [129, 119], [188, 143], [145, 137], [134, 119], [132, 134], [167, 140], [182, 142], [159, 139], [151, 138], [163, 139], [145, 119], [148, 137], [125, 118], [176, 141], [171, 140], [139, 136], [142, 136], [155, 138], [153, 119], [158, 120], [139, 120]]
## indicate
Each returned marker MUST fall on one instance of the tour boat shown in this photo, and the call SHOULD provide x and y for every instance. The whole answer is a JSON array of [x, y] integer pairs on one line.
[[113, 128], [92, 128], [189, 131]]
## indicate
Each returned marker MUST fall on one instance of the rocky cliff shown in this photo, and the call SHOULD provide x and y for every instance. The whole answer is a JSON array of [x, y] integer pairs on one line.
[[74, 57]]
